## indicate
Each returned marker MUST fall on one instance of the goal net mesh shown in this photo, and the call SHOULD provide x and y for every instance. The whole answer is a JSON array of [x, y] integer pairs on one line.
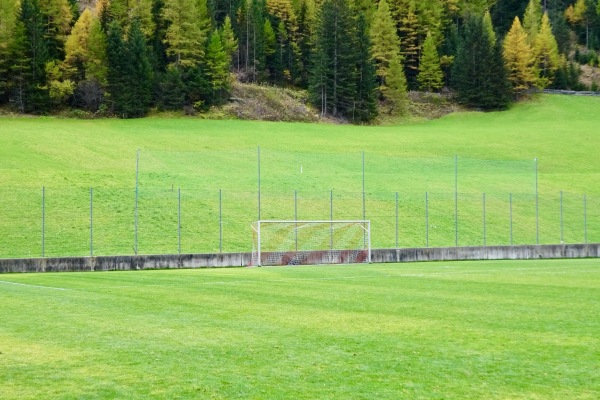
[[310, 242]]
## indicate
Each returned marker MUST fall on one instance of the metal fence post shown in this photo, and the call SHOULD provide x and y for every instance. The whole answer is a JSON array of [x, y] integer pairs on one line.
[[91, 222], [259, 183], [396, 219], [584, 218], [484, 225], [537, 205], [296, 218], [220, 220], [331, 219], [426, 219], [510, 217], [135, 213], [456, 200], [561, 219], [43, 221], [179, 220], [364, 200]]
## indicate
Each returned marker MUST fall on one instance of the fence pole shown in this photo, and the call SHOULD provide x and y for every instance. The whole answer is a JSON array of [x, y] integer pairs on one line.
[[259, 183], [396, 219], [456, 200], [363, 187], [484, 226], [296, 217], [91, 222], [584, 219], [426, 219], [537, 205], [510, 217], [179, 220], [561, 218], [43, 221], [220, 220], [331, 219], [135, 213]]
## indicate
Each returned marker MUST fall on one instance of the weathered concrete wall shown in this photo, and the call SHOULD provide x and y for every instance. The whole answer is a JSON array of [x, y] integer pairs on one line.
[[111, 263]]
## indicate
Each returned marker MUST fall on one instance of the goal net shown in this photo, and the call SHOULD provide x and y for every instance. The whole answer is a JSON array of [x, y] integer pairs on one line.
[[311, 242]]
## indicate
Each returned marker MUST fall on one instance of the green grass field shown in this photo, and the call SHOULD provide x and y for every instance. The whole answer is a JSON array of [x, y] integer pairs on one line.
[[202, 157], [452, 330]]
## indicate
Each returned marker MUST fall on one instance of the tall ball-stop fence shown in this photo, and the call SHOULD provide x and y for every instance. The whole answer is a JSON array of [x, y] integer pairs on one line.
[[206, 201]]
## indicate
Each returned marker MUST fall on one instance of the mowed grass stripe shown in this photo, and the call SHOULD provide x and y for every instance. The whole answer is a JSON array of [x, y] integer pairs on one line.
[[497, 330]]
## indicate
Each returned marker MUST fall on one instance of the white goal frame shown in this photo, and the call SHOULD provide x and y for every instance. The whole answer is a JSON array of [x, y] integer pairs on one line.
[[343, 255]]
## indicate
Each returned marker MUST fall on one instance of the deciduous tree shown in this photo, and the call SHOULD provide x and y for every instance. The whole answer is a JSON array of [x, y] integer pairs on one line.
[[519, 58], [430, 76]]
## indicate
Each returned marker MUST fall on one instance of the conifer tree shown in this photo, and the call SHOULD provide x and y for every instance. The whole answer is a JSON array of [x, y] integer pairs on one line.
[[519, 58], [33, 97], [333, 80], [57, 25], [306, 28], [228, 39], [188, 31], [217, 64], [478, 73], [365, 108], [396, 92], [385, 44], [8, 16], [76, 45], [546, 53], [532, 20], [410, 48], [20, 67], [488, 26], [430, 76]]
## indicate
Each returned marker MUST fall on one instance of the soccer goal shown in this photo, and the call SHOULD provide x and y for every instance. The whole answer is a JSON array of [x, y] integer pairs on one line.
[[311, 242]]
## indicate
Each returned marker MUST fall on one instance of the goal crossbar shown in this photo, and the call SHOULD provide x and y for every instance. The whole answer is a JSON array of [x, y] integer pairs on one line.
[[280, 242]]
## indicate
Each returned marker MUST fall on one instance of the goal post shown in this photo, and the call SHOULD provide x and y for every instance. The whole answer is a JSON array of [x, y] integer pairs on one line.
[[291, 242]]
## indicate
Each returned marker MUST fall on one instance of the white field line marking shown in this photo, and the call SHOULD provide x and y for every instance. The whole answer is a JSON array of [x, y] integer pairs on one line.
[[405, 275], [33, 286]]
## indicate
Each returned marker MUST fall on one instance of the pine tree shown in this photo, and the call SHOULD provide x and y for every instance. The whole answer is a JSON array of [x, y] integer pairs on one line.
[[230, 43], [430, 76], [188, 31], [384, 42], [57, 25], [396, 92], [546, 53], [410, 48], [139, 72], [333, 80], [532, 20], [8, 14], [519, 58], [365, 108], [34, 97], [306, 28], [217, 65], [478, 73]]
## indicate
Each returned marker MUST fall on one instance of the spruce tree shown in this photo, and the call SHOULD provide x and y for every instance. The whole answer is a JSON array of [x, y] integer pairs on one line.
[[34, 97], [8, 14], [365, 108], [333, 82], [396, 92], [478, 74], [430, 76], [217, 68], [139, 71], [410, 48]]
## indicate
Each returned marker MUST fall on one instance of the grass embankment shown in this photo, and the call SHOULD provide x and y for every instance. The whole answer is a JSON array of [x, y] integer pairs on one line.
[[201, 157], [493, 330]]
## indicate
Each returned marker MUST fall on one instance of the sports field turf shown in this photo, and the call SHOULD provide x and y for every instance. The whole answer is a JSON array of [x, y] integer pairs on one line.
[[468, 330], [321, 162]]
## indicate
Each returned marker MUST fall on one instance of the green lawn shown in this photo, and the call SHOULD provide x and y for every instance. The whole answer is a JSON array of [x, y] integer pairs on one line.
[[207, 159], [468, 330]]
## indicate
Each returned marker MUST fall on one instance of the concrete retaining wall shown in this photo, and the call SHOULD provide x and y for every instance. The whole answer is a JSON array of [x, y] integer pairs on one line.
[[111, 263]]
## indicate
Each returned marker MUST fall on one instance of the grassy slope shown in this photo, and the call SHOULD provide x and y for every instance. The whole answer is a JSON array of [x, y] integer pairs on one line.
[[493, 330], [58, 154]]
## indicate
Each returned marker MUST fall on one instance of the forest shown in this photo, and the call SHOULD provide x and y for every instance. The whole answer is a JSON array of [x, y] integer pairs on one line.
[[355, 58]]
